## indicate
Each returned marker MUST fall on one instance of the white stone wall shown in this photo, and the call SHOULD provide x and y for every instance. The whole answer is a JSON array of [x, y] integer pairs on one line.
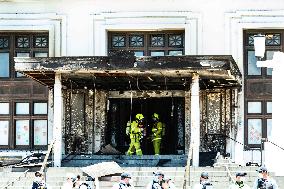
[[78, 28]]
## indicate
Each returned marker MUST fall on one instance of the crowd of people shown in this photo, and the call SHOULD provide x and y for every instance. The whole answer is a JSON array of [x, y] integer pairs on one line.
[[160, 181]]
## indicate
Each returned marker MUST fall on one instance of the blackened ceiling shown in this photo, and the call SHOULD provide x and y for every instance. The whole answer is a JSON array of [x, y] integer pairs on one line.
[[123, 71]]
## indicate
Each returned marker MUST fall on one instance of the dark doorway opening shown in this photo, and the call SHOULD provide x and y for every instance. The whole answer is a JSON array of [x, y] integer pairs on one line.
[[171, 111]]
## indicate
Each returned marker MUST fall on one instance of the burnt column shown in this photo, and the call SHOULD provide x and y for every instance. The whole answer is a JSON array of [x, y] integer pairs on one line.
[[195, 120], [187, 120], [57, 127], [100, 119]]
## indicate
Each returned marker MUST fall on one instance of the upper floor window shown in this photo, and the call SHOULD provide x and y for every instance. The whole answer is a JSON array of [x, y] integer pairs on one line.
[[273, 42], [148, 43], [20, 45], [258, 86]]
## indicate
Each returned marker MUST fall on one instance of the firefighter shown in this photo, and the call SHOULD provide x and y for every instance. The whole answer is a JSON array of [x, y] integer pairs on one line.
[[136, 134], [157, 133], [264, 181]]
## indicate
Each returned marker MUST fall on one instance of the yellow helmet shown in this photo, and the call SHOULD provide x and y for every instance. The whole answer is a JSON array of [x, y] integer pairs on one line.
[[155, 115], [139, 116]]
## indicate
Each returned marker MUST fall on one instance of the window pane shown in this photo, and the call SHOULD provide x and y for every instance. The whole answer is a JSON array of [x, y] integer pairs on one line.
[[269, 127], [4, 42], [21, 54], [269, 56], [252, 68], [41, 54], [22, 42], [254, 131], [4, 132], [40, 108], [22, 132], [175, 53], [41, 41], [157, 40], [269, 107], [251, 39], [175, 41], [40, 132], [139, 53], [136, 41], [254, 107], [4, 108], [157, 53], [273, 39], [22, 108], [118, 41], [4, 65]]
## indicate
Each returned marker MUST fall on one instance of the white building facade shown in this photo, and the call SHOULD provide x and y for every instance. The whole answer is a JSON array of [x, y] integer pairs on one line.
[[83, 28]]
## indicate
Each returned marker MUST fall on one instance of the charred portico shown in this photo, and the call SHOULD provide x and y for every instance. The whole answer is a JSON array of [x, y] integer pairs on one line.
[[196, 97]]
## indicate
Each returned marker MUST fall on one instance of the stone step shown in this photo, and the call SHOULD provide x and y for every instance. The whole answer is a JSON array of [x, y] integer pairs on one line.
[[141, 176]]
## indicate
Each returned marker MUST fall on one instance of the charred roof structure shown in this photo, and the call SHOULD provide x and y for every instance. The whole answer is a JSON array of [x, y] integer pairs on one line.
[[118, 71]]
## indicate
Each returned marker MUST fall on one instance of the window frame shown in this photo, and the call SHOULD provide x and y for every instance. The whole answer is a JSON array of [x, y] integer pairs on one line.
[[147, 48], [11, 95], [264, 77]]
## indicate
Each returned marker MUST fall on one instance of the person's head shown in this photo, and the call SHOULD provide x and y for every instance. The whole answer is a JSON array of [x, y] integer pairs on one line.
[[240, 176], [78, 177], [70, 177], [204, 176], [263, 173], [159, 175], [38, 174], [155, 117], [139, 117], [125, 177]]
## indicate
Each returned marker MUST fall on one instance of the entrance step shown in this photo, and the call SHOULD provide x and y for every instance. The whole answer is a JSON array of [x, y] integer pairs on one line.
[[141, 176], [126, 161]]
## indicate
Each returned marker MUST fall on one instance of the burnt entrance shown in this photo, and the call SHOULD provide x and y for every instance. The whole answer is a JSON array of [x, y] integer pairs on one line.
[[171, 111]]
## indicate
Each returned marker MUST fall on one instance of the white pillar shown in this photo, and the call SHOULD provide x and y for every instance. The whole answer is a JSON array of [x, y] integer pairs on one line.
[[239, 148], [57, 127], [50, 115], [195, 120], [273, 158]]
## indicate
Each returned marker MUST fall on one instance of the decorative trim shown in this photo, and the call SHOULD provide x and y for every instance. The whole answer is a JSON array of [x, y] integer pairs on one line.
[[145, 21], [51, 22]]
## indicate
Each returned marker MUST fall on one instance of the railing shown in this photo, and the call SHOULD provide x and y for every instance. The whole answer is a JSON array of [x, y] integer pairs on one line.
[[44, 163], [186, 178], [11, 183], [230, 175]]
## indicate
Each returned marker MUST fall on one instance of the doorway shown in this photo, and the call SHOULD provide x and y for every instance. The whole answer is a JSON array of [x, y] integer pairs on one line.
[[171, 111]]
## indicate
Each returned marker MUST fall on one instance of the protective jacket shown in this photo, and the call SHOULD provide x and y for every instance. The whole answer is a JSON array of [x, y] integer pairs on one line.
[[157, 132], [135, 136]]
